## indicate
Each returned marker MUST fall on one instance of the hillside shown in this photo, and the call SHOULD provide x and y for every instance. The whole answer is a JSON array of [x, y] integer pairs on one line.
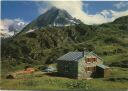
[[52, 17], [46, 43], [121, 20]]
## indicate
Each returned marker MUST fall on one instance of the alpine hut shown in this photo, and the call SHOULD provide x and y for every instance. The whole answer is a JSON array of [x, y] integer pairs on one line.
[[81, 65]]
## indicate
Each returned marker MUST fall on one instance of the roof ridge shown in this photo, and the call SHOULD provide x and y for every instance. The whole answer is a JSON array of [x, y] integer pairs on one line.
[[71, 56], [96, 55]]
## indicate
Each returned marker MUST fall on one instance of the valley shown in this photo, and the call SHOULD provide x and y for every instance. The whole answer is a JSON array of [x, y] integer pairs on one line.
[[47, 42]]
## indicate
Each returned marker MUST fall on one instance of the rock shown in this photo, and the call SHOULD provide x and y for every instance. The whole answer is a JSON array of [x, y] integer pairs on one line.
[[9, 76]]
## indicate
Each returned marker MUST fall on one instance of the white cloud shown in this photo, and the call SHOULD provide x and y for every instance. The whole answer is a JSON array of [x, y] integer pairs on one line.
[[117, 14], [4, 25], [121, 5], [43, 6], [75, 8], [105, 16], [8, 26]]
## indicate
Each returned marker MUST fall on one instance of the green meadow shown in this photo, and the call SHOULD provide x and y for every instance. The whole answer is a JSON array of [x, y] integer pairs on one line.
[[45, 45], [40, 80]]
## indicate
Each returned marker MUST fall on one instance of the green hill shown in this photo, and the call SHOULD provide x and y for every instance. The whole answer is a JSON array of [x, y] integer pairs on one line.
[[46, 44], [121, 20]]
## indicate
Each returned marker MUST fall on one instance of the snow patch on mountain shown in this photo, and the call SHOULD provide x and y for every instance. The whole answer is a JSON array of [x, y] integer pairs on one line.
[[10, 27], [31, 30], [53, 17]]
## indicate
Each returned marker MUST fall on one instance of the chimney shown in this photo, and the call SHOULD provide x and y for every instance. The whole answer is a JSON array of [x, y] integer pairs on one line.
[[84, 51]]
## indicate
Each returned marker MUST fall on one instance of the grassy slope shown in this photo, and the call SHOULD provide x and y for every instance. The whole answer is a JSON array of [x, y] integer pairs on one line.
[[46, 45], [39, 80], [110, 41]]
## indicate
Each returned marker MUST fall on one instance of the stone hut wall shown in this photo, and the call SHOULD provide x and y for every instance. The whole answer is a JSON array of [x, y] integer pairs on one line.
[[67, 68], [82, 66], [107, 72]]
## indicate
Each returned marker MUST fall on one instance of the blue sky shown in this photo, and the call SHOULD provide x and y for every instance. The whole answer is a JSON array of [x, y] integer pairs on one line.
[[30, 10], [19, 9]]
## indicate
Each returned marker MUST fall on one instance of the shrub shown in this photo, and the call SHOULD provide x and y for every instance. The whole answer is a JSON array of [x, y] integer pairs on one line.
[[111, 40], [76, 84]]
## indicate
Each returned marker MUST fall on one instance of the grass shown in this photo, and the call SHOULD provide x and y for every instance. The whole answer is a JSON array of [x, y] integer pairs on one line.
[[119, 72], [39, 81], [114, 58]]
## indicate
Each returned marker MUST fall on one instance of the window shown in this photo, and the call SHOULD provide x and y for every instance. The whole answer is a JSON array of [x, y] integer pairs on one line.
[[66, 68], [94, 59], [90, 60], [94, 68], [88, 69]]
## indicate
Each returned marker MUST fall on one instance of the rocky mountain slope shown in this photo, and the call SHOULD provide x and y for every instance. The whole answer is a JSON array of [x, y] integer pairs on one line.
[[47, 43], [12, 28], [53, 17]]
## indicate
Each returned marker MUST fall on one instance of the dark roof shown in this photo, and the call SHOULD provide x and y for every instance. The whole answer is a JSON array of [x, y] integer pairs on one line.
[[75, 56], [72, 56], [102, 66]]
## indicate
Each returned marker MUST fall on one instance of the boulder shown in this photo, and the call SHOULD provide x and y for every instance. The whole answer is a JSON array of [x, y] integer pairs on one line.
[[10, 76]]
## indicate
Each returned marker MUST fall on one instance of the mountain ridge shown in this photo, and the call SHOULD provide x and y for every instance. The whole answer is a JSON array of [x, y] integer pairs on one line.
[[45, 45], [123, 20], [53, 17]]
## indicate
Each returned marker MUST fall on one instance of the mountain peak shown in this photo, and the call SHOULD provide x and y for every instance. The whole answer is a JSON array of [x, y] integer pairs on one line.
[[53, 17], [56, 17], [54, 9]]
